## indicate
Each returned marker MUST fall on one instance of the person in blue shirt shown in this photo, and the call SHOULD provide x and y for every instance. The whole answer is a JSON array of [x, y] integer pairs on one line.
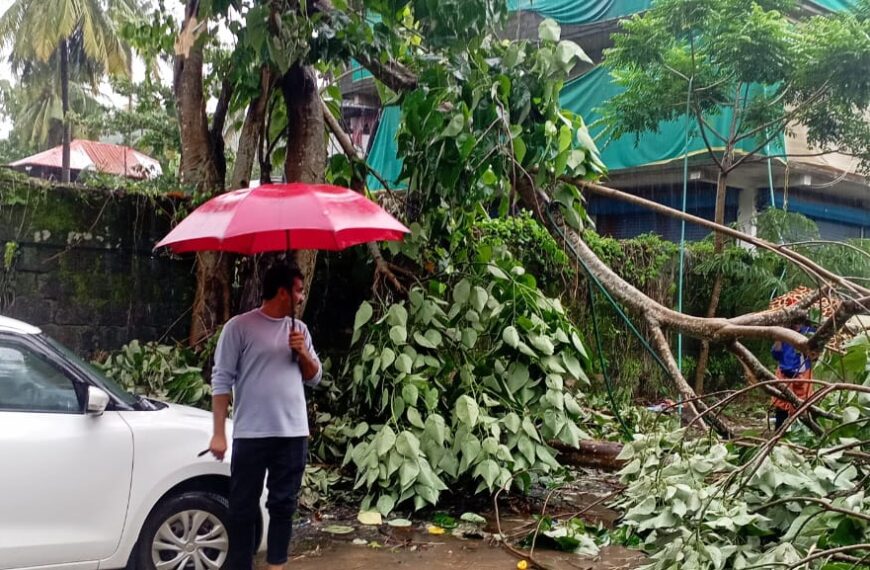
[[792, 364]]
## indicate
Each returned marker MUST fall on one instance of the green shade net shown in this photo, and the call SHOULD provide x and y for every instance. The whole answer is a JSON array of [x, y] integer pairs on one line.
[[580, 12], [586, 94]]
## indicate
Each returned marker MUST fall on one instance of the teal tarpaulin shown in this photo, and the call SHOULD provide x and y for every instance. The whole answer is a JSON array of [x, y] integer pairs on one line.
[[587, 93], [836, 5], [578, 12], [583, 96], [384, 153]]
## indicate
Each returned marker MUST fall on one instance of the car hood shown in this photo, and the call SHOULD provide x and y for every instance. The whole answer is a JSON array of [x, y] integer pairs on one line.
[[186, 422]]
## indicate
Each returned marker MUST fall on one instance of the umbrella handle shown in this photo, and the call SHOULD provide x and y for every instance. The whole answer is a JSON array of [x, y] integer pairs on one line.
[[292, 330]]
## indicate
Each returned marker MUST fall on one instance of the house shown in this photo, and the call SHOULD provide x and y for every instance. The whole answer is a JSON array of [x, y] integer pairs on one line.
[[826, 189], [90, 156]]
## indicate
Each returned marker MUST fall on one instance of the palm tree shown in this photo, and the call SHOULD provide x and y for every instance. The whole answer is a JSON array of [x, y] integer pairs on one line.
[[49, 31]]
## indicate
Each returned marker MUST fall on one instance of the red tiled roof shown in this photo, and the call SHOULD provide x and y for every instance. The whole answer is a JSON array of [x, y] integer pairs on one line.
[[101, 157]]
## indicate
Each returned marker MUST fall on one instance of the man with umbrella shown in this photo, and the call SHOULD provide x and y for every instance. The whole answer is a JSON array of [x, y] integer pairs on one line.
[[263, 358]]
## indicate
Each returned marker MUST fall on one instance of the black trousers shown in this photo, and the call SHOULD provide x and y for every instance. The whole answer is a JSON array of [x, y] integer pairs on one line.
[[283, 458]]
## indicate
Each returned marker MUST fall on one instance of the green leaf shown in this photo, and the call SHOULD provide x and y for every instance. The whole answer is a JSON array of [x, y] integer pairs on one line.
[[512, 422], [434, 338], [399, 523], [573, 365], [408, 445], [527, 448], [436, 429], [462, 291], [415, 418], [370, 518], [408, 473], [386, 503], [511, 336], [530, 429], [578, 344], [549, 30], [496, 272], [518, 376], [388, 356], [473, 518], [398, 316], [385, 439], [423, 341], [489, 470], [399, 335], [567, 50], [519, 149], [543, 344], [467, 410], [469, 338], [410, 394], [363, 316], [338, 529], [404, 363], [455, 126], [479, 297]]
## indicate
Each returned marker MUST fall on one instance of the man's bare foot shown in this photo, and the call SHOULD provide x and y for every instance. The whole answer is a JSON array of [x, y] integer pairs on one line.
[[275, 567]]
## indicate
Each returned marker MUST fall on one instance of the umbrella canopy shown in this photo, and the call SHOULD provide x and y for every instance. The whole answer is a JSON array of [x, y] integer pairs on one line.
[[279, 217]]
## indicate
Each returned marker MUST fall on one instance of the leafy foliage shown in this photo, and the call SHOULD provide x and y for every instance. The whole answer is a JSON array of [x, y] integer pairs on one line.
[[170, 373], [772, 71], [682, 502], [463, 383]]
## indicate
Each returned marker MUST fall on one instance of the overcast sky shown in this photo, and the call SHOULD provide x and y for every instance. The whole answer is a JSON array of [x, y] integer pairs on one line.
[[6, 72]]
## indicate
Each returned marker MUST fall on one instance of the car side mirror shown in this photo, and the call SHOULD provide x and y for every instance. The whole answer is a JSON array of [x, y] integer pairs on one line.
[[98, 401]]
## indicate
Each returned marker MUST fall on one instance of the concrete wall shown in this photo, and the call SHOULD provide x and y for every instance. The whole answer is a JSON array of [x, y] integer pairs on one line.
[[78, 264]]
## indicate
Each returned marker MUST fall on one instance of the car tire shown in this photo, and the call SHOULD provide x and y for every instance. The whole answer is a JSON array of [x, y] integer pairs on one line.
[[186, 527]]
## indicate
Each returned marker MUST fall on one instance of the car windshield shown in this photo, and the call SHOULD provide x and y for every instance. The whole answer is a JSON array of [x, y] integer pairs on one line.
[[105, 382]]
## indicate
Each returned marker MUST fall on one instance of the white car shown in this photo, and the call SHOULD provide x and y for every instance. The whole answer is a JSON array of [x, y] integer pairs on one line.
[[94, 477]]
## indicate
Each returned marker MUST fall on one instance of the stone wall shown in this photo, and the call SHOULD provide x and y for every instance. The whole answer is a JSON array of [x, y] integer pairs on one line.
[[78, 264]]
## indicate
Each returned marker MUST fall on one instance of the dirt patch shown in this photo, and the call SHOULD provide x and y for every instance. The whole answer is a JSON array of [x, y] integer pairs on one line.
[[368, 547], [441, 553]]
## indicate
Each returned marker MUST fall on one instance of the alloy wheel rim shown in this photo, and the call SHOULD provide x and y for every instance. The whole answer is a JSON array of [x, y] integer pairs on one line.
[[190, 540]]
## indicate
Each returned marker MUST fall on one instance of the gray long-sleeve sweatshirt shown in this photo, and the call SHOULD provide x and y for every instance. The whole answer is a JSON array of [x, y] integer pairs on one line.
[[253, 362]]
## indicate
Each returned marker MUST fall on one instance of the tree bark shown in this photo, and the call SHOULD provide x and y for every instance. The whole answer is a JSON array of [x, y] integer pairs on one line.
[[251, 131], [64, 98], [211, 305], [305, 162], [306, 147], [716, 292], [590, 453]]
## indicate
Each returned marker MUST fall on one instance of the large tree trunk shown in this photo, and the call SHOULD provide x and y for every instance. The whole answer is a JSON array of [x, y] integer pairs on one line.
[[251, 268], [251, 130], [64, 98], [306, 146], [716, 292], [305, 162], [211, 306]]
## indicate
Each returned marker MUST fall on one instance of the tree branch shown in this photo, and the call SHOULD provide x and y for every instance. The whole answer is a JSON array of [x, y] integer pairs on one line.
[[382, 266], [393, 74], [848, 309], [806, 264]]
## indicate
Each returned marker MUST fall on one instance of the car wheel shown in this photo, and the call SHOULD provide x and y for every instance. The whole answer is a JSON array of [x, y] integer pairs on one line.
[[187, 531]]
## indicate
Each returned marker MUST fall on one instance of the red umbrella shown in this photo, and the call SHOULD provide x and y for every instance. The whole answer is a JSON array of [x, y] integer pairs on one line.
[[279, 217]]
